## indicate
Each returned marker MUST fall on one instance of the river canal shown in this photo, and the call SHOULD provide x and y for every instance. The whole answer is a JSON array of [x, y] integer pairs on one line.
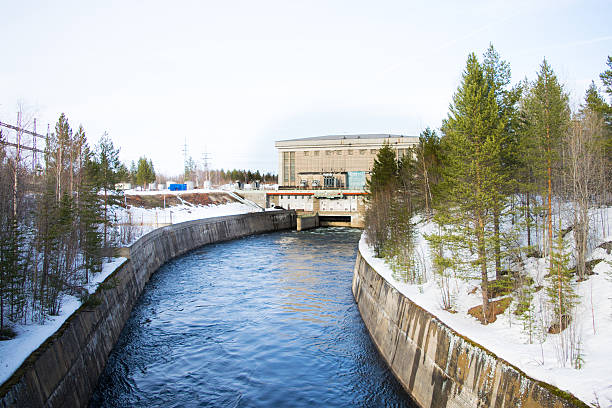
[[264, 321]]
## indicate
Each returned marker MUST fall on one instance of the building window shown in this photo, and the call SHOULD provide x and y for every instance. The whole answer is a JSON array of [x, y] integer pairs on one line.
[[362, 151], [339, 152], [328, 152], [289, 168], [372, 151], [350, 152], [316, 152], [305, 153]]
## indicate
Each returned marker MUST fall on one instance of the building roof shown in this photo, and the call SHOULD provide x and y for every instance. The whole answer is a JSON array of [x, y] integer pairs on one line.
[[342, 137]]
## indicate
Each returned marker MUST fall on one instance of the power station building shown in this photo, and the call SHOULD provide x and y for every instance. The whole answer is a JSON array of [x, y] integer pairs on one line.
[[326, 175], [332, 162]]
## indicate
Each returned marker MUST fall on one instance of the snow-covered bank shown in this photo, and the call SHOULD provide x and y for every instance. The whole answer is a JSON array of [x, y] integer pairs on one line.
[[506, 337], [29, 337]]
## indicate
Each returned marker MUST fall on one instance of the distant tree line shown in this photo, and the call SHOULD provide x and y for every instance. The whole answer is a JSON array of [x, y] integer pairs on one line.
[[244, 176], [509, 162], [219, 177]]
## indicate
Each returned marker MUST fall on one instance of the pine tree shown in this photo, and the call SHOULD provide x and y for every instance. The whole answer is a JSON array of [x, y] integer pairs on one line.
[[547, 119], [498, 74], [527, 172], [473, 181]]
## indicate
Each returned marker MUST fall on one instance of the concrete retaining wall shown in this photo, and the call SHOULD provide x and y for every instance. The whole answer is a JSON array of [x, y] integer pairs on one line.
[[306, 222], [436, 365], [64, 370]]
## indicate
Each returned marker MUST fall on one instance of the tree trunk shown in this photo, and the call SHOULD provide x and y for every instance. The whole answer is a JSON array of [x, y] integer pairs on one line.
[[528, 218], [550, 231], [105, 215], [496, 215], [483, 269]]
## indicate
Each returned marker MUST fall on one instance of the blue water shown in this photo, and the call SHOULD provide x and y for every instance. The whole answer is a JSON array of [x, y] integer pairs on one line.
[[265, 321]]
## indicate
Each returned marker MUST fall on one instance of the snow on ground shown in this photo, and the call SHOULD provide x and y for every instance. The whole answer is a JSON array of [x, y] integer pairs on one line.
[[144, 220], [506, 336], [29, 337]]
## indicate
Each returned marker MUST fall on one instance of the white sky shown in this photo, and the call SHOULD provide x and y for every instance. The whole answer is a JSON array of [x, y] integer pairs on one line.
[[234, 76]]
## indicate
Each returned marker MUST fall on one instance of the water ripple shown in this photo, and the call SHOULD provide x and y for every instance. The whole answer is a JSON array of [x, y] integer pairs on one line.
[[265, 321]]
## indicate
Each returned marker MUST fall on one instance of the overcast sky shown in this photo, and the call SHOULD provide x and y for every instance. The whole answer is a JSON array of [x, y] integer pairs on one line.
[[231, 77]]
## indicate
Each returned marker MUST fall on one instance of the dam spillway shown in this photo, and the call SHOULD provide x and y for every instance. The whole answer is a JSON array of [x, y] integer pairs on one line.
[[267, 320]]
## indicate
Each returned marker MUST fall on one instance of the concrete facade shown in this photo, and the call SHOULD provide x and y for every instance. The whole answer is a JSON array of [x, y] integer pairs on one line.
[[344, 208], [309, 161], [64, 370], [438, 367]]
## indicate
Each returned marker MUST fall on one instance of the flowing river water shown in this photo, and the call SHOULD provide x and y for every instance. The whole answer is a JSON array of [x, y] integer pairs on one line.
[[264, 321]]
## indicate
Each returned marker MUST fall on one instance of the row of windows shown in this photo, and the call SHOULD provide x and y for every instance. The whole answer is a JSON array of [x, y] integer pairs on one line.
[[338, 152], [401, 152]]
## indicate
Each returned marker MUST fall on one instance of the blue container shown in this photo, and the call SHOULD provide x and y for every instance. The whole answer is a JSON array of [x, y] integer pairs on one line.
[[177, 187]]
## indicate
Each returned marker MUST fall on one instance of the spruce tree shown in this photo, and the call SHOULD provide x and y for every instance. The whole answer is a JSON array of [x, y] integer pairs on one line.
[[145, 173], [606, 77], [384, 170], [428, 166], [90, 216], [561, 294], [382, 190]]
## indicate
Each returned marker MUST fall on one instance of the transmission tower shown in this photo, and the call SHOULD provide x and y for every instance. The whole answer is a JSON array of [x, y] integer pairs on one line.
[[205, 159]]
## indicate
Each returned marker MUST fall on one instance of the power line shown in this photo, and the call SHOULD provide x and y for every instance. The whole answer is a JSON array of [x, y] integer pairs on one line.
[[19, 129]]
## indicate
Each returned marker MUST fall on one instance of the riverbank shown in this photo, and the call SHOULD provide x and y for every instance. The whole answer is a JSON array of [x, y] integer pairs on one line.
[[63, 371], [526, 344], [437, 365]]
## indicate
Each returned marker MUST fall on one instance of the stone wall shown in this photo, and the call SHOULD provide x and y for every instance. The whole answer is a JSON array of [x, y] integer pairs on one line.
[[437, 366], [64, 370]]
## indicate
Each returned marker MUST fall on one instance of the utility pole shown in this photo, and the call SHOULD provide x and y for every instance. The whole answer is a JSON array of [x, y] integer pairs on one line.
[[185, 159], [34, 151], [16, 164]]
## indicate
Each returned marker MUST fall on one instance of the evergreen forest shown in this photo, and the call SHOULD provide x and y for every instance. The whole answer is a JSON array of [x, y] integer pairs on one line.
[[512, 171]]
